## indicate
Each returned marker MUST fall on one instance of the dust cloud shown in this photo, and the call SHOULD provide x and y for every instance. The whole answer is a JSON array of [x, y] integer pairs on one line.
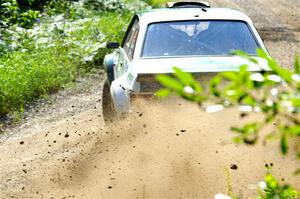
[[169, 149]]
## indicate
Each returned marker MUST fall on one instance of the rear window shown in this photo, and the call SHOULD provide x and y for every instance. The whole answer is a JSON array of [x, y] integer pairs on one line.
[[202, 38]]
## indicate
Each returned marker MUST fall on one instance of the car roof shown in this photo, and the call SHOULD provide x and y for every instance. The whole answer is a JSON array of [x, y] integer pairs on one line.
[[177, 14]]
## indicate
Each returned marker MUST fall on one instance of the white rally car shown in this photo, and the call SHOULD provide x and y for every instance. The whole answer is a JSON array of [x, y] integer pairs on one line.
[[189, 35]]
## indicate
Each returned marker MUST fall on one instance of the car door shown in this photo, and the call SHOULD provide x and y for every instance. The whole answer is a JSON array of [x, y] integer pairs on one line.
[[128, 46]]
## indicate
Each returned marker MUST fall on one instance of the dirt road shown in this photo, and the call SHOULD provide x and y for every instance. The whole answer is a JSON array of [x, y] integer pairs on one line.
[[166, 150]]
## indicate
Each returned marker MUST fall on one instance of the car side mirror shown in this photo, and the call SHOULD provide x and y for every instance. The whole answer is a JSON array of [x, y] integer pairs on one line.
[[112, 45]]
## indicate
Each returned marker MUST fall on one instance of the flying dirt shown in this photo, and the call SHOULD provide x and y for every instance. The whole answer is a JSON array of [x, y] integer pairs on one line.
[[169, 149]]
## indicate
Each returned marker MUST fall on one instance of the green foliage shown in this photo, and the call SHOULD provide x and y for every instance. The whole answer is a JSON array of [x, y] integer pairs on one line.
[[21, 12], [273, 189], [25, 13], [114, 29], [52, 7], [269, 188], [120, 6], [26, 76], [9, 12], [183, 84], [247, 133], [26, 19], [109, 5], [38, 61], [156, 3], [275, 93]]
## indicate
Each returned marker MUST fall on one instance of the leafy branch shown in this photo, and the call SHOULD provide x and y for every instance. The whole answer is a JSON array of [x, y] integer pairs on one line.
[[273, 91]]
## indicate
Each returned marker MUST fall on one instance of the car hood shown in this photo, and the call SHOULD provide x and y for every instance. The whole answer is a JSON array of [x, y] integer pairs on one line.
[[194, 64]]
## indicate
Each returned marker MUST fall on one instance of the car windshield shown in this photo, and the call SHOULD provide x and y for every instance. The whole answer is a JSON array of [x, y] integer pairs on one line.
[[198, 38]]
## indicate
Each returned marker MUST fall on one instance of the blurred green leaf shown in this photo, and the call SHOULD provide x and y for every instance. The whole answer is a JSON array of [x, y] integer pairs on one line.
[[163, 93], [169, 82], [248, 132], [213, 86], [262, 54], [274, 190], [248, 100], [294, 130], [283, 144], [237, 140], [271, 181], [269, 118], [296, 102], [297, 65], [187, 79], [232, 76], [246, 56], [284, 73]]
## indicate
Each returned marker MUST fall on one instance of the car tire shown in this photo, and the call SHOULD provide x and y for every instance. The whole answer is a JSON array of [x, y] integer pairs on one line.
[[108, 111]]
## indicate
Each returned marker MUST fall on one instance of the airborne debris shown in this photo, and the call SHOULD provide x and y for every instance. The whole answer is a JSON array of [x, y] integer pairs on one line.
[[242, 115], [233, 167]]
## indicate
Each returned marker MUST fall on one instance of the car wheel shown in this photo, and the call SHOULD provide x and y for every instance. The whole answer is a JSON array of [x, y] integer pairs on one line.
[[109, 113]]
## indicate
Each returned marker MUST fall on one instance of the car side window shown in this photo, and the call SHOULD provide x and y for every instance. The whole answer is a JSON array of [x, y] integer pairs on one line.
[[130, 41]]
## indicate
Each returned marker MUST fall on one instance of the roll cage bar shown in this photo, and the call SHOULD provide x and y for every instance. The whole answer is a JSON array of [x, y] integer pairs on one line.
[[188, 4]]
